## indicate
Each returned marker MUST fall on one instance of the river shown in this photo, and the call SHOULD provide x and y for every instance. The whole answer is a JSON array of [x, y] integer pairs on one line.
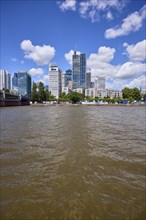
[[73, 163]]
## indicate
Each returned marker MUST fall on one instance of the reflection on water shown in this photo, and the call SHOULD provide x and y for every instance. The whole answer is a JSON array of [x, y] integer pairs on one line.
[[72, 163]]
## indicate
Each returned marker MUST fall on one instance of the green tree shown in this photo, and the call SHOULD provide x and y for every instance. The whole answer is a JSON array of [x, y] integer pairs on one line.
[[131, 99], [47, 95], [136, 94], [75, 97], [41, 92], [34, 94], [127, 93], [96, 99], [117, 99], [63, 97], [106, 99], [89, 99], [131, 93]]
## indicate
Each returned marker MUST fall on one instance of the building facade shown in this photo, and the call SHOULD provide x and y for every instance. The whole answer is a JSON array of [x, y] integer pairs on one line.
[[88, 80], [5, 80], [83, 70], [55, 86], [92, 92], [68, 76], [99, 83], [21, 83], [78, 70]]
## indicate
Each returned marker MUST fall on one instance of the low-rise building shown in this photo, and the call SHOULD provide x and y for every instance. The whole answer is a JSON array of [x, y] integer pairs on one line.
[[92, 92], [79, 90]]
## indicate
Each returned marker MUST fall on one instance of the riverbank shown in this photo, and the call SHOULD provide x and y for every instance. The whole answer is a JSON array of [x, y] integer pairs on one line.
[[84, 105]]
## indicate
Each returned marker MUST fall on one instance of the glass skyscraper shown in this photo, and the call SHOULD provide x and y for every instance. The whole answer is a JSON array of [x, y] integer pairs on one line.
[[68, 75], [78, 70], [21, 82]]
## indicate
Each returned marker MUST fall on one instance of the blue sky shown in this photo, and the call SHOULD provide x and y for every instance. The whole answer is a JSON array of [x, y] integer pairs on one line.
[[111, 32]]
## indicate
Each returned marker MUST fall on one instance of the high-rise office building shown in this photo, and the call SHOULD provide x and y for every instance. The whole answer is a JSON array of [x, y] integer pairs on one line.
[[8, 81], [78, 70], [83, 70], [5, 80], [88, 80], [99, 83], [68, 76], [63, 80], [21, 82], [55, 80]]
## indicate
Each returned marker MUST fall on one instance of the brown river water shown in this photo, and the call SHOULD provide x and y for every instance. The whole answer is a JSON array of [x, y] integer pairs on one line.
[[73, 163]]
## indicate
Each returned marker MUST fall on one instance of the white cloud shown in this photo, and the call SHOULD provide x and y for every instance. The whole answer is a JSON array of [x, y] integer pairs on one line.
[[92, 8], [100, 65], [130, 70], [67, 5], [99, 62], [68, 56], [138, 82], [36, 72], [131, 23], [136, 52], [44, 79], [109, 16], [22, 61], [41, 55], [14, 59]]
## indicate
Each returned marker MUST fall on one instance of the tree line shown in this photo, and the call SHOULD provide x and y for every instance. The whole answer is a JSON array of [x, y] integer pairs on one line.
[[40, 94]]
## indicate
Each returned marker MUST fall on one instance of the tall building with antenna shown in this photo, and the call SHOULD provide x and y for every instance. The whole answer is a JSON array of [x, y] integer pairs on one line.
[[78, 70]]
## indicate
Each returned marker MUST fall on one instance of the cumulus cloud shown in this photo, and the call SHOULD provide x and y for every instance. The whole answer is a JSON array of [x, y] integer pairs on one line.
[[130, 70], [136, 52], [138, 82], [100, 65], [67, 5], [131, 23], [36, 72], [99, 62], [68, 56], [41, 55]]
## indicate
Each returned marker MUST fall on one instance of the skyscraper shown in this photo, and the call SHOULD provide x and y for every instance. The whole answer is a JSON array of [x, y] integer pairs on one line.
[[5, 80], [99, 83], [21, 82], [55, 80], [68, 76], [78, 70], [88, 80], [8, 81], [83, 70]]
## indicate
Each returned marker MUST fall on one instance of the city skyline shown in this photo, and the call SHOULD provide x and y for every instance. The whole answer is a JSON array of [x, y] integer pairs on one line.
[[111, 33]]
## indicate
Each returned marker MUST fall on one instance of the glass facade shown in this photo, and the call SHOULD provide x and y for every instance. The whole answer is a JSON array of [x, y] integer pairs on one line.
[[79, 71], [83, 70], [76, 71], [68, 76], [22, 82]]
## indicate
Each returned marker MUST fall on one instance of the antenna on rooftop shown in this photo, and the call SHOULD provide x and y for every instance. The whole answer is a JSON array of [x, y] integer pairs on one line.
[[76, 47]]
